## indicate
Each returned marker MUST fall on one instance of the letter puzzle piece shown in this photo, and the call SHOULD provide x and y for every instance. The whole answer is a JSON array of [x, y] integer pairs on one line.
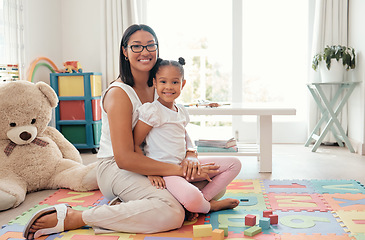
[[288, 186], [84, 199], [297, 202]]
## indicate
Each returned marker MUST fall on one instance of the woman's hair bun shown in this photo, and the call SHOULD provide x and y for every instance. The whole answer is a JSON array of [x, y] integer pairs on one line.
[[181, 61]]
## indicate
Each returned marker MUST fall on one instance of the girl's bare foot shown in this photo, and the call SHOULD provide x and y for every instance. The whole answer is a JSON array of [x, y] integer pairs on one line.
[[228, 203], [189, 216], [73, 220]]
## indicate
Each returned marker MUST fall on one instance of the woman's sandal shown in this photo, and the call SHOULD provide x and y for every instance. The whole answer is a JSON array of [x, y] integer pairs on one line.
[[60, 209]]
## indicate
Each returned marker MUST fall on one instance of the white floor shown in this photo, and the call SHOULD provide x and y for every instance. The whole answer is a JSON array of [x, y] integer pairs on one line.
[[290, 161]]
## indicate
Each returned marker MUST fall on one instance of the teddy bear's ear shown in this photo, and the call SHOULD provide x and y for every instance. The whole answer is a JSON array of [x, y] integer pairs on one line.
[[48, 92]]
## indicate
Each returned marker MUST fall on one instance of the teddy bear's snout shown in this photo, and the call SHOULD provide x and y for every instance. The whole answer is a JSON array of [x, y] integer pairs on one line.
[[22, 135], [25, 136]]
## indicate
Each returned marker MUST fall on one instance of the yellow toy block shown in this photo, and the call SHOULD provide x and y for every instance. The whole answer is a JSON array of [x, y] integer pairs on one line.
[[204, 230], [218, 234]]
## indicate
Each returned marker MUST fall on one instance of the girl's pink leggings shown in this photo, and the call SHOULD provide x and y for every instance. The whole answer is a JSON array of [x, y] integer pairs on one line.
[[195, 200]]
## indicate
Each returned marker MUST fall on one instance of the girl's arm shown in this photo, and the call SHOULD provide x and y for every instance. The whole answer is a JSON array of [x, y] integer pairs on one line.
[[119, 109], [139, 134]]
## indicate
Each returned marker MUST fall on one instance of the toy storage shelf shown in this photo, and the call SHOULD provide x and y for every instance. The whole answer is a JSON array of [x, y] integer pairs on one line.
[[78, 114]]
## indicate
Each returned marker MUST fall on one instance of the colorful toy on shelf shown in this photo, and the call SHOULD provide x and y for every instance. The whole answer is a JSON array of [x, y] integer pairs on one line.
[[72, 67], [36, 64], [9, 72]]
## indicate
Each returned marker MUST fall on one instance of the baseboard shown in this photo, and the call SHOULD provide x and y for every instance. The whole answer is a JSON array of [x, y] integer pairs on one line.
[[358, 146]]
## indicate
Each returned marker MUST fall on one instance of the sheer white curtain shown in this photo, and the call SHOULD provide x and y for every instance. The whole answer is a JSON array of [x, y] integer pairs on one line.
[[118, 16], [12, 49], [330, 28]]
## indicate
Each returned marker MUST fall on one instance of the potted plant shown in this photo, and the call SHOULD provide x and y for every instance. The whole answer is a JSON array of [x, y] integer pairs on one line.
[[333, 61]]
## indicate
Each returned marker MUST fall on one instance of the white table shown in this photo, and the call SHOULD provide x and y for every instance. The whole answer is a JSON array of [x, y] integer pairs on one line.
[[263, 148]]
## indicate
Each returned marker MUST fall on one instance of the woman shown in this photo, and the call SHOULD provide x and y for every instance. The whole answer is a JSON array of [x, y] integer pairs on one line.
[[122, 172]]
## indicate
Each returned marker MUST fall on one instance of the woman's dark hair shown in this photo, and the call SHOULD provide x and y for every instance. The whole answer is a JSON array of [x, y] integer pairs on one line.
[[160, 63], [125, 73]]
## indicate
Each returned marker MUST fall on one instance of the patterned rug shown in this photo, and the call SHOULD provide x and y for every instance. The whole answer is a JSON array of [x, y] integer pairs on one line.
[[306, 209]]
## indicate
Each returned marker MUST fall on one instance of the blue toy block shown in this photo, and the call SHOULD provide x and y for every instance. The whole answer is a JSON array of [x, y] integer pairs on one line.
[[264, 223]]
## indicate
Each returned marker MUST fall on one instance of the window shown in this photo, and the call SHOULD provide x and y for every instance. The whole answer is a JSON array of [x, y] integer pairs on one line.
[[11, 39], [200, 32], [272, 52], [2, 53]]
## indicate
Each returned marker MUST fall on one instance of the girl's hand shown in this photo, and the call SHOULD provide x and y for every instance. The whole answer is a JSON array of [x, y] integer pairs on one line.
[[157, 181], [207, 169]]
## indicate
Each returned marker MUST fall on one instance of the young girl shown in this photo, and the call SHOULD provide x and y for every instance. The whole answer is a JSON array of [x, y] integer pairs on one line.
[[162, 124]]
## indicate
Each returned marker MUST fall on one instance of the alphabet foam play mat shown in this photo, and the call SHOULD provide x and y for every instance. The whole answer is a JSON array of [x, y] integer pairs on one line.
[[269, 209]]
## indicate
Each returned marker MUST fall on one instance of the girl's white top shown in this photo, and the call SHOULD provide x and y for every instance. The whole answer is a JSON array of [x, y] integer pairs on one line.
[[166, 142], [105, 149]]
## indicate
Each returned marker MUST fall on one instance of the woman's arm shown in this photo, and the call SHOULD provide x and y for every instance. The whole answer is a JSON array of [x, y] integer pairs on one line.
[[119, 109], [139, 134]]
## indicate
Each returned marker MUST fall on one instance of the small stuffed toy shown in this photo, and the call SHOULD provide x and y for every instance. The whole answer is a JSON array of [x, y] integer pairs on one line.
[[33, 155]]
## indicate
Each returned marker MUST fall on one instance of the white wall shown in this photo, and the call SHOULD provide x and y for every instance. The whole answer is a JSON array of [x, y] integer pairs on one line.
[[356, 105], [42, 34], [63, 31]]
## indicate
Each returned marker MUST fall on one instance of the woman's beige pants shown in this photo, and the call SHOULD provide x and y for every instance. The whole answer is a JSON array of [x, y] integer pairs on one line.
[[145, 209]]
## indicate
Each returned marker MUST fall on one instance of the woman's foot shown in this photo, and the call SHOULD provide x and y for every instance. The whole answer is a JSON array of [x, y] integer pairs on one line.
[[73, 220], [228, 203]]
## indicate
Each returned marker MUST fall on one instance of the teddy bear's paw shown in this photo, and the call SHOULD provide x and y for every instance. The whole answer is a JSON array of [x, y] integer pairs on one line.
[[6, 200], [89, 181]]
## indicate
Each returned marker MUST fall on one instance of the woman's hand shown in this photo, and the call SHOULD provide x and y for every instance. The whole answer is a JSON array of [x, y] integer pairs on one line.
[[191, 167], [157, 181]]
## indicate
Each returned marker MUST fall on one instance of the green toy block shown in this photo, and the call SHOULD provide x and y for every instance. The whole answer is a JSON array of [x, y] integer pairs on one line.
[[224, 228], [252, 231]]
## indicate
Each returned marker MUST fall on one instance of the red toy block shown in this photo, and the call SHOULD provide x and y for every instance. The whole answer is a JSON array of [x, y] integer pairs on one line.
[[274, 219], [250, 220], [267, 213]]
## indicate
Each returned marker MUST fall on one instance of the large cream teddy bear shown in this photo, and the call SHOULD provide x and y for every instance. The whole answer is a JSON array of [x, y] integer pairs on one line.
[[34, 156]]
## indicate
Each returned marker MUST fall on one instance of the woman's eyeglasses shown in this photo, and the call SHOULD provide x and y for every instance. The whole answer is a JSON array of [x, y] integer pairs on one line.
[[139, 48]]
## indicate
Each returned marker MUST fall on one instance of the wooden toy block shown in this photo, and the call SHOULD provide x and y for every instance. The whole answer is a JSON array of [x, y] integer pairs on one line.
[[224, 228], [274, 219], [264, 223], [218, 234], [204, 230], [252, 231], [250, 220], [267, 213]]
